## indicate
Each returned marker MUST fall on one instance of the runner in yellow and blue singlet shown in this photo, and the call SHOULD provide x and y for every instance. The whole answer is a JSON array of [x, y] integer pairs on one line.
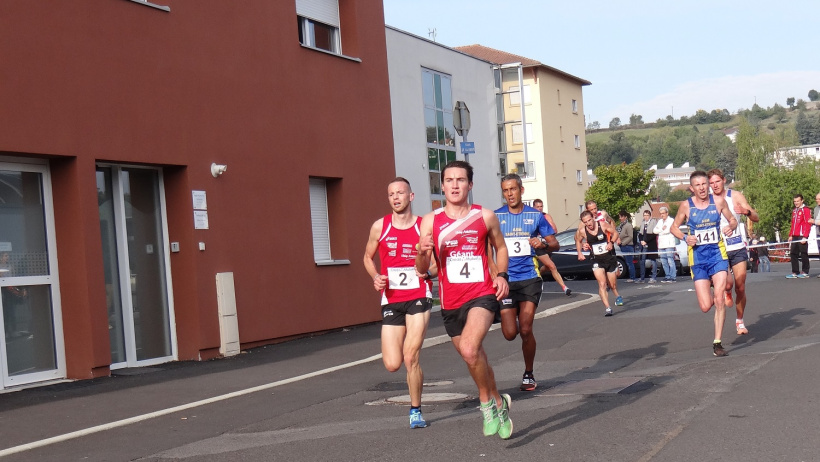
[[708, 256]]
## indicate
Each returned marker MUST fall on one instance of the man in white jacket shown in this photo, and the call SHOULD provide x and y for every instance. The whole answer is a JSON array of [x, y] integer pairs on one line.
[[666, 245]]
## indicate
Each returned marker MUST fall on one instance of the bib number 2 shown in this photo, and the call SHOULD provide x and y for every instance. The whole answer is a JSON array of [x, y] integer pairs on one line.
[[402, 278]]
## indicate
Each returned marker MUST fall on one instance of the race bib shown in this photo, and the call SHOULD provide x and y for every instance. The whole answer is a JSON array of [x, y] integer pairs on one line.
[[707, 236], [465, 269], [599, 248], [402, 278], [733, 240], [518, 246]]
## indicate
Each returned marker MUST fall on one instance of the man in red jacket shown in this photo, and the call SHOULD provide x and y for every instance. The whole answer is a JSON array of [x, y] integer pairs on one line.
[[798, 237]]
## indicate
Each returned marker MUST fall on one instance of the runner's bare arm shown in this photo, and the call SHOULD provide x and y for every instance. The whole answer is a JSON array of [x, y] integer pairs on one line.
[[683, 212], [496, 239], [425, 249], [723, 208], [379, 280], [742, 206]]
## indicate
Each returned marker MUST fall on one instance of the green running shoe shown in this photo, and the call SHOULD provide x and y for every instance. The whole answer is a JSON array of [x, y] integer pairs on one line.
[[491, 421], [505, 428]]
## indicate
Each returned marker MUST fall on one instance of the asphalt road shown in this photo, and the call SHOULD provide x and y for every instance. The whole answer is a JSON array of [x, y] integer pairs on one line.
[[639, 386]]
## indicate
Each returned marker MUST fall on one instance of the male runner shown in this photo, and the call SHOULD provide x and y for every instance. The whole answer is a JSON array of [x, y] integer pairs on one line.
[[605, 267], [543, 254], [735, 245], [707, 251], [457, 236], [521, 225], [406, 295]]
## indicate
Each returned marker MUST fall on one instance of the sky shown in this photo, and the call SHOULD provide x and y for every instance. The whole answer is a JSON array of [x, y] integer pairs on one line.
[[651, 58]]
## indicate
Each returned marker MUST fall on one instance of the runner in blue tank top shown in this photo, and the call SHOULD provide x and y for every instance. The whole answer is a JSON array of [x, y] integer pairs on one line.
[[521, 225], [707, 251]]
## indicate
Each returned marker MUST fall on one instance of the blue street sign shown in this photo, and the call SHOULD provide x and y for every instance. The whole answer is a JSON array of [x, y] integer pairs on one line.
[[467, 147]]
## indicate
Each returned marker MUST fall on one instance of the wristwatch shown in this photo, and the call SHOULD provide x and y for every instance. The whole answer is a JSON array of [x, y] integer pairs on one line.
[[503, 275]]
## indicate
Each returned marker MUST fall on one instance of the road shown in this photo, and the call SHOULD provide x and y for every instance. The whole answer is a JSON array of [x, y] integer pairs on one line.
[[639, 386]]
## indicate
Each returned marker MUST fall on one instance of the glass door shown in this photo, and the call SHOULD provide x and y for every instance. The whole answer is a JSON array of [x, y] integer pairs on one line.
[[31, 340], [135, 262]]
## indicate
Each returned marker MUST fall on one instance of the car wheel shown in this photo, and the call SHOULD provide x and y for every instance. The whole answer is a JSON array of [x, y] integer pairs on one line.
[[622, 273], [569, 277]]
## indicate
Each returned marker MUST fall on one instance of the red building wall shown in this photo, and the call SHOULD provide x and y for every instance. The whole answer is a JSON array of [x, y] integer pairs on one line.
[[209, 81]]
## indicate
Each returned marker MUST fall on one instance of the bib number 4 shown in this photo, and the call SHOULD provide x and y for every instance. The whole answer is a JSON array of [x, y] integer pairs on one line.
[[465, 270]]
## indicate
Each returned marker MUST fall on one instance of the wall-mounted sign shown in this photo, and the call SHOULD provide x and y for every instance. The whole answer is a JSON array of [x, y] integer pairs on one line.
[[200, 201]]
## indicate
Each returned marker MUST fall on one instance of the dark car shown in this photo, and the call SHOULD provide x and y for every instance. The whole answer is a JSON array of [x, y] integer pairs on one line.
[[566, 259]]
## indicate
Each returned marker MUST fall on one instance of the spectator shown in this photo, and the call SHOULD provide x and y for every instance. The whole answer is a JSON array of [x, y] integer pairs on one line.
[[649, 246], [666, 245], [763, 255], [626, 234], [798, 238]]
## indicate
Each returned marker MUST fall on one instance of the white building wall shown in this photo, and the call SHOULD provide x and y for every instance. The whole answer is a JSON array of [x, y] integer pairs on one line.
[[472, 82]]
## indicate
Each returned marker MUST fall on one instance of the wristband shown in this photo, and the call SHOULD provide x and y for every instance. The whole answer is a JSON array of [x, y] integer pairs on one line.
[[503, 275]]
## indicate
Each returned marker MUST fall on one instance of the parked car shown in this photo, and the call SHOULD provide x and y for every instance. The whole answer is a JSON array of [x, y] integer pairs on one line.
[[566, 259]]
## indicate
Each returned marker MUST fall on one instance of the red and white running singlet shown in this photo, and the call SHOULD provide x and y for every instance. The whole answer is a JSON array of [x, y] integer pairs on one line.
[[397, 254], [461, 255]]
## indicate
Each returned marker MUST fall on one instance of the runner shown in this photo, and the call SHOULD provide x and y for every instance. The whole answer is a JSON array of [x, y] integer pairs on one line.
[[406, 295], [543, 254], [707, 251], [735, 245], [605, 266], [521, 225], [457, 236]]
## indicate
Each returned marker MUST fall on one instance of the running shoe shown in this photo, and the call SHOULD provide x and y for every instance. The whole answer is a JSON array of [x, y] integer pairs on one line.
[[608, 311], [717, 349], [802, 275], [641, 281], [528, 383], [490, 414], [741, 328], [792, 276], [666, 281], [652, 281], [619, 301], [729, 301], [630, 280], [505, 427], [416, 419], [567, 291]]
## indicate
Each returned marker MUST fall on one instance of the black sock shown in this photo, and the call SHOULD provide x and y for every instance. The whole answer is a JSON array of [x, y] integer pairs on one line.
[[527, 372], [415, 407]]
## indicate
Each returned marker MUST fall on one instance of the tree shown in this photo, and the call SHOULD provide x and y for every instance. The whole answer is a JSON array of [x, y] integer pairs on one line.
[[620, 187], [615, 123], [768, 186], [790, 102], [635, 119], [594, 125], [801, 104], [814, 95], [660, 190]]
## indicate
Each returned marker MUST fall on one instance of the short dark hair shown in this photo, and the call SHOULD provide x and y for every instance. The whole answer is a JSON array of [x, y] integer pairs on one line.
[[586, 204], [696, 174], [624, 213], [512, 176], [798, 195], [586, 213], [459, 164], [537, 201]]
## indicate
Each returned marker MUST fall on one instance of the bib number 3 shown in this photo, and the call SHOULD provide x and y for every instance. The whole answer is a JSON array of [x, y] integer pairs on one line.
[[518, 247]]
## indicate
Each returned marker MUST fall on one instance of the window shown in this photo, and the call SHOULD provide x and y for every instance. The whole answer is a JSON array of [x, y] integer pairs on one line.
[[318, 23], [559, 97], [438, 125], [515, 96], [319, 220], [575, 106], [518, 136], [328, 236], [578, 176], [529, 174], [577, 141]]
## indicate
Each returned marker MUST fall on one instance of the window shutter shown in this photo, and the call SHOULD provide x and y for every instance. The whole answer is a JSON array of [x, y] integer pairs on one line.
[[324, 11], [319, 220]]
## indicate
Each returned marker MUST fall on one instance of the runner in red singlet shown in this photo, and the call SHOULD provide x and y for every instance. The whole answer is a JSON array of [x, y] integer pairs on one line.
[[406, 295], [457, 235]]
